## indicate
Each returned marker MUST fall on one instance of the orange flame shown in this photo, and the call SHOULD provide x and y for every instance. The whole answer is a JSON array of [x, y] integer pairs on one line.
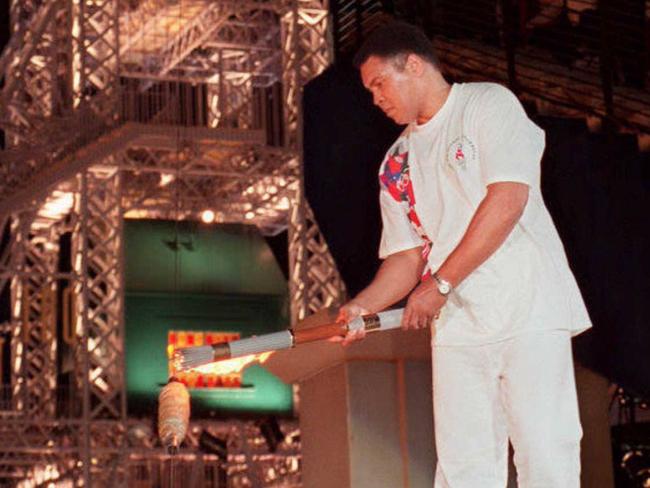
[[235, 365]]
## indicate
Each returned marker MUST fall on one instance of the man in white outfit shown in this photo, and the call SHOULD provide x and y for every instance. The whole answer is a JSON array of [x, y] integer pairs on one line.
[[467, 234]]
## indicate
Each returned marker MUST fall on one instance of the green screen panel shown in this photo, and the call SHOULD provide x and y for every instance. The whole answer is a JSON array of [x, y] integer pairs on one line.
[[149, 317], [195, 258]]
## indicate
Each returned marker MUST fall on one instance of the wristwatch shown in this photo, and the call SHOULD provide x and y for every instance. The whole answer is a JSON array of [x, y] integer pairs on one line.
[[444, 287]]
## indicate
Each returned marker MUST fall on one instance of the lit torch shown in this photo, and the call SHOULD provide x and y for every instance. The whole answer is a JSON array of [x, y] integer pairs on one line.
[[248, 349]]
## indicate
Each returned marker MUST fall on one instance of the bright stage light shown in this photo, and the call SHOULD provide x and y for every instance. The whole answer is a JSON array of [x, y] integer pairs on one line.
[[58, 204], [284, 203], [166, 179], [208, 216]]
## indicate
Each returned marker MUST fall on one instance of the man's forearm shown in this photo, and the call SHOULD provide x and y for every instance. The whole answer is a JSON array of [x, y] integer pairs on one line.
[[492, 223], [396, 277]]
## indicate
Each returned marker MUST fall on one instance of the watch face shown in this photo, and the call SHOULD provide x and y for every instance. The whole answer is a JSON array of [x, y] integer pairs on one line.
[[444, 288]]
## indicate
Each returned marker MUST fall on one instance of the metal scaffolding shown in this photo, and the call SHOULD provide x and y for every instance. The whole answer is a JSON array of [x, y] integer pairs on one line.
[[115, 109]]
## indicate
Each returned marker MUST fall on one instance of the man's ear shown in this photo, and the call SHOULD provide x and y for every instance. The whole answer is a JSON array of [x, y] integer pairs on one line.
[[414, 64]]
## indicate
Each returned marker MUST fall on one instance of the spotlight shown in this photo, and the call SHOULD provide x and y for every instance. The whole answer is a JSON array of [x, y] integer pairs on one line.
[[636, 464], [207, 216], [631, 448]]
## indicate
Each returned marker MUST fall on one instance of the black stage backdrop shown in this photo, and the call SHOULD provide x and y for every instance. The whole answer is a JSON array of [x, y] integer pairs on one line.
[[596, 188], [345, 138]]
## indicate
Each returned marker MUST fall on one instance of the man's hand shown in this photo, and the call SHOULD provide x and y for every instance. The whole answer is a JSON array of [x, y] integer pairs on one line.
[[348, 312], [423, 306]]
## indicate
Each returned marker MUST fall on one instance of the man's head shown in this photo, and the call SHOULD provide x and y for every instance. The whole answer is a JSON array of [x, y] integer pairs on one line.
[[394, 61]]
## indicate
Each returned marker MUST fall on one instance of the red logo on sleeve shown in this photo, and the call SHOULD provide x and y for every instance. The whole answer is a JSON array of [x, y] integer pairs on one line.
[[397, 180]]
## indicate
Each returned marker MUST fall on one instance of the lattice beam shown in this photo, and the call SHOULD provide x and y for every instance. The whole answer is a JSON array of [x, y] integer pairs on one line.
[[23, 43], [33, 68], [314, 281], [100, 305], [33, 312], [95, 63], [240, 184], [307, 51]]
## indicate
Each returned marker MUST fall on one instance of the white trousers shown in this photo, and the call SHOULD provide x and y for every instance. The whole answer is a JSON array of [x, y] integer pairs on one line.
[[522, 389]]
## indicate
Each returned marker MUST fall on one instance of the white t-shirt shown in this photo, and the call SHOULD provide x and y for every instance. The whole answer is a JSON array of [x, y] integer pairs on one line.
[[432, 181]]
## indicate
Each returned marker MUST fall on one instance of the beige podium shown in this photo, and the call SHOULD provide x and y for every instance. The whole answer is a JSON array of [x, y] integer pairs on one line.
[[366, 416]]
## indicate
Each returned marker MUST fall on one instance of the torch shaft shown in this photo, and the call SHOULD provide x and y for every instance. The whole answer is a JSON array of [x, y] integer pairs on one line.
[[319, 333], [261, 343]]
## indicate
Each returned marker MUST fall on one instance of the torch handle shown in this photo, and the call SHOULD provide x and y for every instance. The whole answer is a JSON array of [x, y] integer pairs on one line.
[[389, 319], [318, 333]]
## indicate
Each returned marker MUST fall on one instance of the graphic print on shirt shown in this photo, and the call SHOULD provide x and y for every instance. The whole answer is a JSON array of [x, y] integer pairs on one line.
[[460, 152], [396, 179]]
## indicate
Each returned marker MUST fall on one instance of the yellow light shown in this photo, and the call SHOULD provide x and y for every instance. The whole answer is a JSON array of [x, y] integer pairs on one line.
[[57, 205], [284, 203], [166, 179]]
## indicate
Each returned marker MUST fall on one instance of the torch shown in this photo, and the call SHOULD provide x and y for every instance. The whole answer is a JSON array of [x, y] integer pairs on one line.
[[193, 357]]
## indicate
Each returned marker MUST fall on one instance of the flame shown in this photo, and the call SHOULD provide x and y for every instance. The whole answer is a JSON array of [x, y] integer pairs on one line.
[[235, 365]]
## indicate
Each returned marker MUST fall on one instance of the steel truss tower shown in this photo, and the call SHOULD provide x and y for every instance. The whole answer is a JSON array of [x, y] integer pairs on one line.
[[115, 109]]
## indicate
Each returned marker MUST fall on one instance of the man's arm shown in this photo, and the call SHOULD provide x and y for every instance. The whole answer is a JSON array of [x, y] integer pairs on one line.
[[494, 219], [396, 277]]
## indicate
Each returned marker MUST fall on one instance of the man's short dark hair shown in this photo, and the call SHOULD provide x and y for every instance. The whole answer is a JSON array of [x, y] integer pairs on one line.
[[394, 39]]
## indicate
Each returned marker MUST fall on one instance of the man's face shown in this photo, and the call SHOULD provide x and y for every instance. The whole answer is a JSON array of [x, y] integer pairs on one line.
[[390, 86]]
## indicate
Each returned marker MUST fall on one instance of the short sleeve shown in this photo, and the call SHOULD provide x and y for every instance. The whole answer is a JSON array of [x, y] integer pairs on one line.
[[510, 144], [398, 234]]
